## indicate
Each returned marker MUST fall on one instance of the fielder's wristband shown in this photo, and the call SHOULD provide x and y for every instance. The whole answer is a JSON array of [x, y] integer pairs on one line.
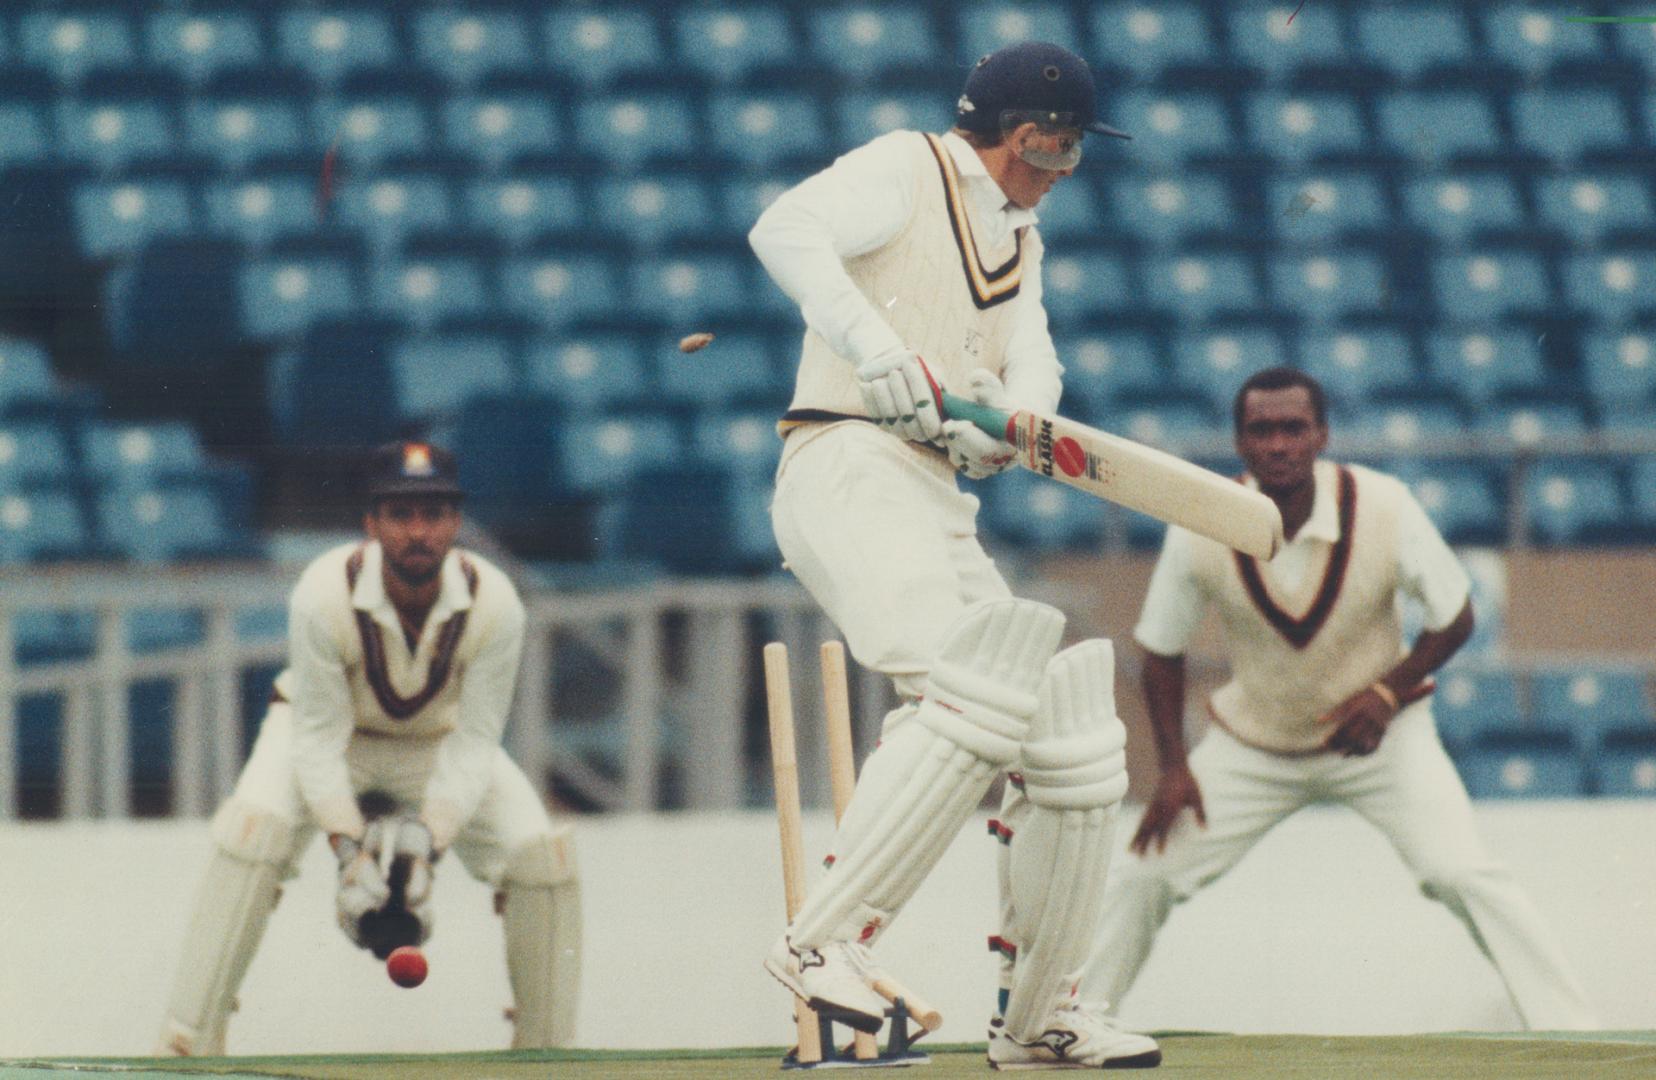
[[1386, 694]]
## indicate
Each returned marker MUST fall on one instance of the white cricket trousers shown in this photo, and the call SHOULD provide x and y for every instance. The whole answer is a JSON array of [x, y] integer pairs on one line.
[[510, 815], [1409, 790], [880, 535]]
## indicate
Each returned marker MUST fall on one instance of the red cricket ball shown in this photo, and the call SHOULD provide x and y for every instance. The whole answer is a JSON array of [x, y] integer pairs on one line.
[[406, 966]]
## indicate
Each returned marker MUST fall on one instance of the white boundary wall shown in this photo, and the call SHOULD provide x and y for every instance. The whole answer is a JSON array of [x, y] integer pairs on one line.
[[1319, 930]]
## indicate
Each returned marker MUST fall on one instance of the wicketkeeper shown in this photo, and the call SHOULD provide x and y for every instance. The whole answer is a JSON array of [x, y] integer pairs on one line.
[[403, 654]]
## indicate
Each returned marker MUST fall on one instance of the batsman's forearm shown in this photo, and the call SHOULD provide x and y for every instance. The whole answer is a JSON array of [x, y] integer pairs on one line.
[[1163, 679], [1432, 649]]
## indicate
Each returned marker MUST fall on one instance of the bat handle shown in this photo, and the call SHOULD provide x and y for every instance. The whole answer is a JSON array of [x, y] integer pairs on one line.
[[993, 422]]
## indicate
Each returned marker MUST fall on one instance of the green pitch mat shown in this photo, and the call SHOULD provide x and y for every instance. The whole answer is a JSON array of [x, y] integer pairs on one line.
[[1526, 1056]]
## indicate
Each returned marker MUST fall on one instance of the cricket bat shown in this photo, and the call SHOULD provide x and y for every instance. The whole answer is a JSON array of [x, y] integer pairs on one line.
[[1131, 474]]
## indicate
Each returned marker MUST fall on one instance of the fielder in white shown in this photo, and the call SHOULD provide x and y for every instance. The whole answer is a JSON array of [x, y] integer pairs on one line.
[[916, 263], [403, 655], [1326, 703]]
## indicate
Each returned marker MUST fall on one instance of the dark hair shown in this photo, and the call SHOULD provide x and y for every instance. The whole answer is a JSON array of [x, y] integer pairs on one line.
[[1281, 378], [980, 140]]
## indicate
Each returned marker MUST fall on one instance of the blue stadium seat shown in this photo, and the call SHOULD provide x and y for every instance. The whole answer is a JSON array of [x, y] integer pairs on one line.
[[257, 211], [1482, 365], [588, 372], [40, 525], [117, 219], [742, 199], [626, 131], [425, 292], [283, 297], [1523, 765], [1146, 38], [689, 288], [594, 47], [1166, 210], [1591, 702], [615, 448], [1268, 36], [1613, 286], [370, 131], [740, 367], [466, 44], [1403, 426], [523, 208], [1626, 765], [743, 442], [142, 454], [694, 519], [44, 635], [111, 135], [1528, 423], [238, 133], [1532, 39], [1474, 287], [198, 46], [1566, 124], [1196, 286], [497, 129], [158, 525], [1354, 365], [989, 25], [332, 44], [1032, 512], [1327, 287], [1216, 362], [1455, 207], [1169, 425], [151, 630], [1570, 501], [333, 390], [1643, 483], [1620, 368], [1470, 703], [23, 133], [1100, 367], [762, 129], [33, 454], [1462, 501], [1169, 128], [1319, 206], [1637, 41], [557, 288], [70, 44], [507, 449], [1075, 287], [1410, 41], [26, 382], [861, 116], [1305, 127], [728, 43], [1586, 208], [1439, 125], [434, 376], [864, 41], [387, 209], [1071, 210]]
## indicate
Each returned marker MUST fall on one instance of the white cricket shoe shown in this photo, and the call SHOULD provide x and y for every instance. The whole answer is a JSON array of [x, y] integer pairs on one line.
[[1075, 1037], [836, 979]]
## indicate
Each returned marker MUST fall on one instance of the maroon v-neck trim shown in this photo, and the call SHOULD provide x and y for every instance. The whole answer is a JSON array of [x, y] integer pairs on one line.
[[373, 648], [1300, 632]]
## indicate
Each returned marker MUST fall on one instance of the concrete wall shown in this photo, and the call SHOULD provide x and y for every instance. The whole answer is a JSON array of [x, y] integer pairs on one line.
[[1319, 930]]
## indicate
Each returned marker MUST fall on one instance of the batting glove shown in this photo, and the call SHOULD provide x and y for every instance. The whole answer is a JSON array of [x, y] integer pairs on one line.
[[971, 450], [900, 394]]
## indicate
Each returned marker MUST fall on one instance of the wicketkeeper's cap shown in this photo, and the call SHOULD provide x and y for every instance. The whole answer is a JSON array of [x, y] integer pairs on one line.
[[412, 468], [1031, 77]]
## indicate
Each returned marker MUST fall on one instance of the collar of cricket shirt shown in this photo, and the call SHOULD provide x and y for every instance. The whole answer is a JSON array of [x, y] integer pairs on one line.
[[985, 194], [369, 592], [1323, 525]]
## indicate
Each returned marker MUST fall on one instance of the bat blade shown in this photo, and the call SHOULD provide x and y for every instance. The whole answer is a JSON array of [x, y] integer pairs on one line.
[[1131, 474]]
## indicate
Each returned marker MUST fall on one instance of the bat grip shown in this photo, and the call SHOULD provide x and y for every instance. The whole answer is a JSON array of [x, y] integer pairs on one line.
[[993, 422]]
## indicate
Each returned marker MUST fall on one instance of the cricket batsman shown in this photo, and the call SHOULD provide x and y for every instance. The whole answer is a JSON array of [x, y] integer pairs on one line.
[[917, 265], [403, 654]]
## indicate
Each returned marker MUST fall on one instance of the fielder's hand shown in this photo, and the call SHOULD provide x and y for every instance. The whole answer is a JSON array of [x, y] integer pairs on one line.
[[362, 887], [1359, 723], [971, 450], [900, 394], [1176, 790]]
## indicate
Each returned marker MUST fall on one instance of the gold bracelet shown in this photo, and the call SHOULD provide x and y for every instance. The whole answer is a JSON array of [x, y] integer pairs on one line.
[[1386, 694]]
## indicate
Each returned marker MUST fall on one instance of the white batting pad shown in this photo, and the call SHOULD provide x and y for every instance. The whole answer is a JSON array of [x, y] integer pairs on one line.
[[237, 896], [542, 913], [1058, 851], [931, 772]]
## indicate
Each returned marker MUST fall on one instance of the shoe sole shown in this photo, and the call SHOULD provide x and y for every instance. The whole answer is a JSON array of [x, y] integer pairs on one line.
[[855, 1019], [1147, 1060]]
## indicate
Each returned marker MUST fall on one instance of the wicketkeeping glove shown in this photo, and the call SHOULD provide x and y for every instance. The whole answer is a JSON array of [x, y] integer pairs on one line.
[[362, 885], [413, 842], [971, 450], [898, 392]]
